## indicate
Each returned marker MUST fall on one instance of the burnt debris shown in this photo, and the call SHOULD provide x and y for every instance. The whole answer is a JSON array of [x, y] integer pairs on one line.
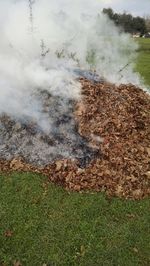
[[26, 139]]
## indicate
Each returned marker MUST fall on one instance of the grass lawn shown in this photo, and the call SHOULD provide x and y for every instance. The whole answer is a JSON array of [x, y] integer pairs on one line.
[[143, 63], [41, 224]]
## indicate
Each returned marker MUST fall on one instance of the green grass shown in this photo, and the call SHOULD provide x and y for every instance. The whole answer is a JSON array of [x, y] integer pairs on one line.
[[143, 62], [41, 223]]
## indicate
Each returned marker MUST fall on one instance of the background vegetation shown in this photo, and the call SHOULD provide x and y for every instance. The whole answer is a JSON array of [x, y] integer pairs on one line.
[[129, 23], [143, 62]]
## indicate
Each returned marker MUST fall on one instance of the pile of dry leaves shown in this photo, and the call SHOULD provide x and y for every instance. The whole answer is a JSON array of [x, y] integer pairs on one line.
[[115, 120]]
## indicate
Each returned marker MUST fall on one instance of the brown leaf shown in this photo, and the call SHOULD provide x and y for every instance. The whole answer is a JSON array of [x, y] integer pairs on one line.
[[135, 250], [148, 151], [17, 263], [77, 187], [119, 190], [58, 165], [130, 215], [131, 178], [16, 164], [82, 250], [137, 193], [148, 174], [8, 233]]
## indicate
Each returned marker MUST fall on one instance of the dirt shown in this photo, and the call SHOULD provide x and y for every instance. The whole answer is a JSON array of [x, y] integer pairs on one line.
[[115, 121]]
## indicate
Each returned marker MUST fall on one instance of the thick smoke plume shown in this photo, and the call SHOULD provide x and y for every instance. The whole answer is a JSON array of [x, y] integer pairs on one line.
[[43, 42], [45, 46]]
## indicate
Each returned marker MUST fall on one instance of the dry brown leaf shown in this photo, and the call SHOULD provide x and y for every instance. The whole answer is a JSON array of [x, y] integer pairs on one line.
[[59, 165], [16, 164], [17, 263], [135, 250], [8, 233], [137, 193]]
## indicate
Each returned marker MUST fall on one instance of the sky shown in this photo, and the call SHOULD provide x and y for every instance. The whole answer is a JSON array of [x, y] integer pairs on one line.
[[135, 7]]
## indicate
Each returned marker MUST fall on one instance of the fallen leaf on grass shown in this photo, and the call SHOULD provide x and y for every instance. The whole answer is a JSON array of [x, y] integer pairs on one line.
[[130, 215], [17, 263], [135, 250], [8, 233]]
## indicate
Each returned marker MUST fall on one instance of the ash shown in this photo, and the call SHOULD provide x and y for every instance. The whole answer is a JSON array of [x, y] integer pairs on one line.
[[26, 139], [90, 75]]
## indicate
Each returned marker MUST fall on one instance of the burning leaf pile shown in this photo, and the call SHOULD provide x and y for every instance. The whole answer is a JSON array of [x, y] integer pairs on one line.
[[109, 143]]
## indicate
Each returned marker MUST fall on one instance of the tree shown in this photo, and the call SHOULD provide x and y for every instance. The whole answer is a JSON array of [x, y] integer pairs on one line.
[[147, 22], [127, 22], [109, 12]]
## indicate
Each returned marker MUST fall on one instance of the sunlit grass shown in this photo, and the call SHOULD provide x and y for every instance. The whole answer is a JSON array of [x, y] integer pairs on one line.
[[143, 62]]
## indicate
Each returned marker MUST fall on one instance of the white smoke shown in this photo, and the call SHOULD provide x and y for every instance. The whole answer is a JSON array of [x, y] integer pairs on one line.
[[42, 51]]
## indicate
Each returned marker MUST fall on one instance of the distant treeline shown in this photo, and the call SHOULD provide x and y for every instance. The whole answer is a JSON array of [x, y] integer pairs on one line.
[[129, 23]]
